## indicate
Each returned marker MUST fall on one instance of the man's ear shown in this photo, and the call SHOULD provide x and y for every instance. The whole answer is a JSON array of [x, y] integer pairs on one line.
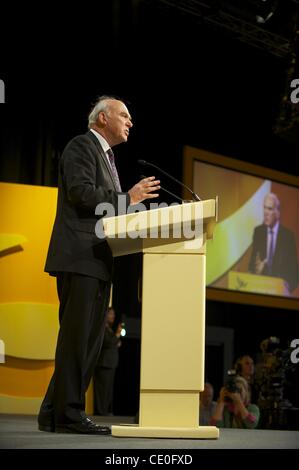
[[102, 118]]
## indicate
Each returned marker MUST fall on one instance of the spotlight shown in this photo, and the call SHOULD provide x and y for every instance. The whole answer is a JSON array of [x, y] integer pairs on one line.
[[266, 10]]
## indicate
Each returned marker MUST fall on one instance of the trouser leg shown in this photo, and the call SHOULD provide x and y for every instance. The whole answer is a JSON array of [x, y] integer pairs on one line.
[[83, 304]]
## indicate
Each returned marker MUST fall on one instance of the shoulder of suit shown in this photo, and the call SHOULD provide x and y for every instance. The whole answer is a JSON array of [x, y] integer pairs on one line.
[[285, 231], [83, 138], [260, 228], [88, 137], [87, 140]]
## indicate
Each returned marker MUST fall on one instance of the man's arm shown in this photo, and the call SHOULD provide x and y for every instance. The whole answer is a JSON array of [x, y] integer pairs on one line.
[[256, 264], [79, 172]]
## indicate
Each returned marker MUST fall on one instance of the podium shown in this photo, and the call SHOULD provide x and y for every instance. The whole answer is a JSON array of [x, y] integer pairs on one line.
[[173, 242], [247, 282]]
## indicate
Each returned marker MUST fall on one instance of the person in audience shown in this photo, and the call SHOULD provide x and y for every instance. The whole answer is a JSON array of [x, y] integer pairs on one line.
[[207, 405], [234, 409]]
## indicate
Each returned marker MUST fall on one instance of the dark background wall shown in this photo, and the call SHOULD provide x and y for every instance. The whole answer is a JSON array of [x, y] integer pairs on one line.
[[187, 82]]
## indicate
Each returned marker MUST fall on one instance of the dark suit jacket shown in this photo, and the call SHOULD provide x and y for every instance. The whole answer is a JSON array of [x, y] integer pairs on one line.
[[285, 264], [109, 353], [85, 180]]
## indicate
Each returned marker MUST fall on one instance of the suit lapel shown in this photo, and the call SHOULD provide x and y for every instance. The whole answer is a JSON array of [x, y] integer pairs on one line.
[[101, 154]]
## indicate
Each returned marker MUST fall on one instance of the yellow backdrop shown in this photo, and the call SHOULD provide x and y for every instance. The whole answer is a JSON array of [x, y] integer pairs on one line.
[[28, 299]]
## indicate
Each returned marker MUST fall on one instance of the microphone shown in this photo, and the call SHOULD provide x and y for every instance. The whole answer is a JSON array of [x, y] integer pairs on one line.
[[144, 163]]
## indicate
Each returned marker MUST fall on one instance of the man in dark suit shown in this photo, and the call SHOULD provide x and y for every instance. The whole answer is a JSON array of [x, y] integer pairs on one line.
[[82, 263], [104, 374], [274, 251]]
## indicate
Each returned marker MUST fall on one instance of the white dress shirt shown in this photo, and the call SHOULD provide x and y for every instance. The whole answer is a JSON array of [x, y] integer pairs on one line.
[[103, 143]]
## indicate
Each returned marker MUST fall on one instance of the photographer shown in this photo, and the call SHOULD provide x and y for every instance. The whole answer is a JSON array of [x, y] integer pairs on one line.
[[234, 409]]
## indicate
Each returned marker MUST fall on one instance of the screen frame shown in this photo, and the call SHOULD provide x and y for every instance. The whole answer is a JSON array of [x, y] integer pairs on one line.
[[192, 154]]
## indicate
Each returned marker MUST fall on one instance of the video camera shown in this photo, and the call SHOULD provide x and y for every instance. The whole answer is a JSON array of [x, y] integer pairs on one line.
[[274, 372]]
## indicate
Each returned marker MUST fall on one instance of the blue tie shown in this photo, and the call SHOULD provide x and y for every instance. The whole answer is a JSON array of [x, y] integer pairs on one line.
[[271, 251], [114, 170]]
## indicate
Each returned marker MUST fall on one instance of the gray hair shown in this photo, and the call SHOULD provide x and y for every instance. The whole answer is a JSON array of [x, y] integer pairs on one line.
[[101, 105], [275, 199]]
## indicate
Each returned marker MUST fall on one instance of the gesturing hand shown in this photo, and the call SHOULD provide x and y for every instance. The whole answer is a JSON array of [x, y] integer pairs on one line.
[[145, 189], [259, 264]]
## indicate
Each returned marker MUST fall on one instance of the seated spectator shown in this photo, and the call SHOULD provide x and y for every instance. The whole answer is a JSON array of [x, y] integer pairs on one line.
[[234, 409], [207, 405]]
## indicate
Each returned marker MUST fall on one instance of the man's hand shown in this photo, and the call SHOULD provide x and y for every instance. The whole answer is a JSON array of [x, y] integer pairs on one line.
[[118, 329], [144, 190], [259, 264]]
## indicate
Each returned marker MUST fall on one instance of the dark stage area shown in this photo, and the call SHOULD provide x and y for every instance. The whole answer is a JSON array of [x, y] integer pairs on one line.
[[20, 432]]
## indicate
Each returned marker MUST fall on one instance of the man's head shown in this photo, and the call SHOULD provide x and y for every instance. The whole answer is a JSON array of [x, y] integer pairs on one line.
[[111, 118], [271, 210], [110, 317], [206, 396]]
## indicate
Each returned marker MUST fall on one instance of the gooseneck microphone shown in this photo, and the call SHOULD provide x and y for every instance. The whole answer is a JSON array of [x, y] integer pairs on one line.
[[144, 163]]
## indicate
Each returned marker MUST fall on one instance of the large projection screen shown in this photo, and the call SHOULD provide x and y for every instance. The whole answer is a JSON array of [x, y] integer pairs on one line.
[[256, 204]]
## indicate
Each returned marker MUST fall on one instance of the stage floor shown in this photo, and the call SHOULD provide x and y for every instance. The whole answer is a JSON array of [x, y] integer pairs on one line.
[[20, 432]]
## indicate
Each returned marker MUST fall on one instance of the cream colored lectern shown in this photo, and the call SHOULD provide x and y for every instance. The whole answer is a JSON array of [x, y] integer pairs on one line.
[[172, 240]]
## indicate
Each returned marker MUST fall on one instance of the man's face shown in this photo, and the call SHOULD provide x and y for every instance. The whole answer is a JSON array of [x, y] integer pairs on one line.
[[110, 316], [271, 213], [118, 122]]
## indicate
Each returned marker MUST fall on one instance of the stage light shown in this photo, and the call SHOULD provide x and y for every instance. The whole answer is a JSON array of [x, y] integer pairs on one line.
[[266, 10]]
